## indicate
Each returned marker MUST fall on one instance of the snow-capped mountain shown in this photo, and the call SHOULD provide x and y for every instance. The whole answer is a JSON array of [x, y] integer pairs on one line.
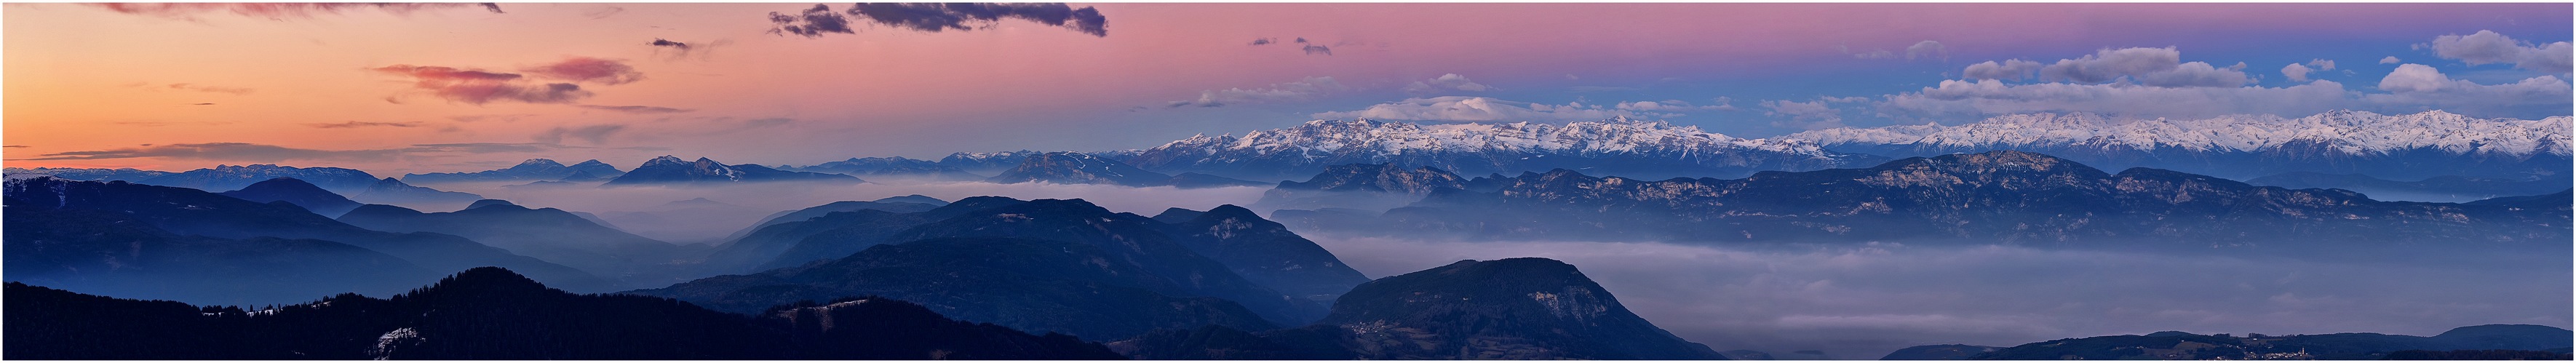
[[1617, 146], [2412, 146]]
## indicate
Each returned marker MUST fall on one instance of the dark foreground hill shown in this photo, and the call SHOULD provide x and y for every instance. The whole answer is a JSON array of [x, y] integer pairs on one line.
[[491, 313], [1519, 308]]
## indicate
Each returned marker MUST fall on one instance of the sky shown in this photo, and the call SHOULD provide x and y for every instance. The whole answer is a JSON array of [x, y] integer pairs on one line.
[[410, 88]]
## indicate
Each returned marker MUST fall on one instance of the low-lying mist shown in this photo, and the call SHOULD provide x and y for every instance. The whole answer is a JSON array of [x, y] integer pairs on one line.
[[649, 210], [1864, 301], [1852, 301]]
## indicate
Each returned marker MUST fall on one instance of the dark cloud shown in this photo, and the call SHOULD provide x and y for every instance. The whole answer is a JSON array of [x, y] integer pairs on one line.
[[279, 11], [810, 23], [1312, 48], [936, 17], [13, 146], [636, 109], [671, 50], [209, 89], [659, 42], [595, 134], [358, 124], [1264, 41], [767, 122], [479, 87], [202, 104], [588, 70]]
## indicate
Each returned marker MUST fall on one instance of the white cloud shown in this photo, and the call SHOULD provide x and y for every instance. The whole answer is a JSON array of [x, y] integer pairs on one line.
[[2014, 69], [1481, 109], [2389, 60], [2417, 86], [2487, 47], [1282, 92], [1673, 106], [2297, 72], [2414, 78], [2412, 87], [1986, 97], [1927, 49], [2161, 67], [1445, 83]]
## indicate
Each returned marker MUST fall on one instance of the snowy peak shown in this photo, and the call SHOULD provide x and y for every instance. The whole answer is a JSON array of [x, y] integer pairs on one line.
[[2346, 132], [1620, 144], [539, 163], [665, 160]]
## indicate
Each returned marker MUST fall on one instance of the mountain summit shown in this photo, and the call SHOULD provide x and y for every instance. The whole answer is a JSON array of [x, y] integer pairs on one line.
[[671, 170]]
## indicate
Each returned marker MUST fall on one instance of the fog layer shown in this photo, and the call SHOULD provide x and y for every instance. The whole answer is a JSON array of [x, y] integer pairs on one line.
[[1863, 301]]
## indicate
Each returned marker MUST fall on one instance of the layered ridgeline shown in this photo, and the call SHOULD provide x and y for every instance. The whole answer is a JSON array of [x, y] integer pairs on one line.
[[301, 194], [897, 168], [218, 178], [545, 233], [492, 313], [2398, 147], [2482, 342], [1045, 265], [673, 171], [1520, 308], [90, 174], [1616, 146], [530, 170], [80, 215], [2450, 188], [1080, 168], [2004, 196], [394, 191], [1375, 187]]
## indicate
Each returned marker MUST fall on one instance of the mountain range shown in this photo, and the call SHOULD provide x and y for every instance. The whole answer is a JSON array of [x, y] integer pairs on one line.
[[530, 170], [1618, 146], [493, 313], [2406, 147], [2448, 188], [549, 234], [148, 209], [1360, 186], [2174, 345], [1080, 168], [1043, 265], [892, 168], [669, 170], [2009, 197]]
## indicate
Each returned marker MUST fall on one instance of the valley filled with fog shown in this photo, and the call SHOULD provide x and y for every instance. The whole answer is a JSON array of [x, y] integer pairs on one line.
[[1848, 300]]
